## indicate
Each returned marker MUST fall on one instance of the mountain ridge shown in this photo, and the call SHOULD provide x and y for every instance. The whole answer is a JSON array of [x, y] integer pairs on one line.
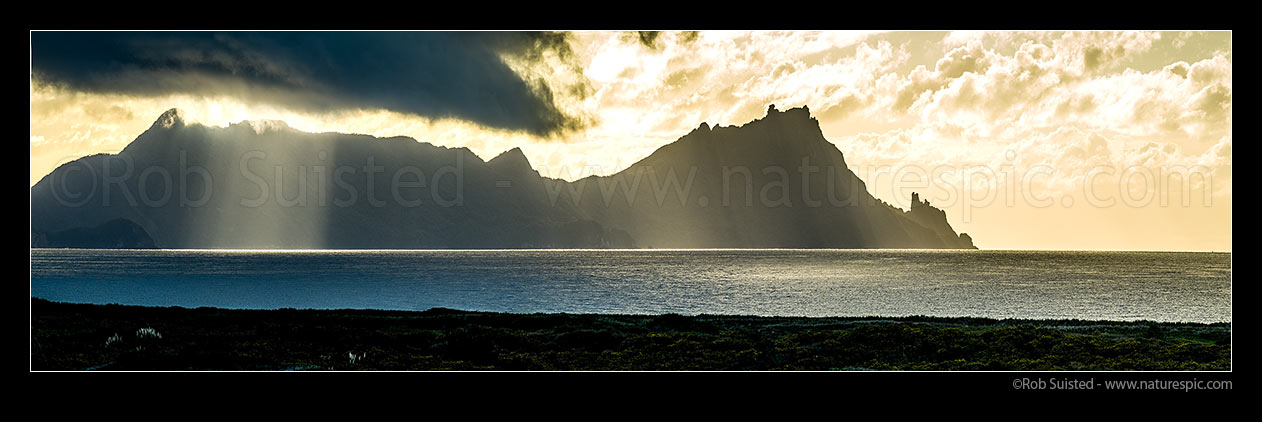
[[263, 184]]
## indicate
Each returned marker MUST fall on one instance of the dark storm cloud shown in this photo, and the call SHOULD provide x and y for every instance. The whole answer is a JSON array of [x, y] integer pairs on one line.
[[532, 46], [653, 39], [649, 38], [434, 74]]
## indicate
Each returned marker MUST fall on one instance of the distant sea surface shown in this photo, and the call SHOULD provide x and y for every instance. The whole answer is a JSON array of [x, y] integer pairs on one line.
[[1158, 286]]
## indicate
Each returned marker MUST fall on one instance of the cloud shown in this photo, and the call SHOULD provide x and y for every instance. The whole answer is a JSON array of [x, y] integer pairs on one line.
[[432, 74], [1060, 79], [648, 38]]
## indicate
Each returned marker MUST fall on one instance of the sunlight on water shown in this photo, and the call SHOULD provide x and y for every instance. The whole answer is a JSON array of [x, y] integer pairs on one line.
[[1159, 286]]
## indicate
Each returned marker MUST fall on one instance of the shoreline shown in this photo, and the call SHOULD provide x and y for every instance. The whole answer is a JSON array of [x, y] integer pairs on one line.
[[68, 336], [918, 318]]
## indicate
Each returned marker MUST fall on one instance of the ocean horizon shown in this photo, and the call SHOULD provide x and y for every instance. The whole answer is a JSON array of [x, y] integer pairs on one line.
[[1162, 286]]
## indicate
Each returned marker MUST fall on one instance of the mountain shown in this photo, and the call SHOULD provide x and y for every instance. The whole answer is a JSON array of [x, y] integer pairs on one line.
[[771, 183], [774, 182]]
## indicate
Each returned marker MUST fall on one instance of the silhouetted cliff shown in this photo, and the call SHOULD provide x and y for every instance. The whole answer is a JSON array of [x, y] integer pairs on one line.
[[772, 183]]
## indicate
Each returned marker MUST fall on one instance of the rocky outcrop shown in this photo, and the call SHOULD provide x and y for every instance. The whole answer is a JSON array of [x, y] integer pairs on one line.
[[935, 219]]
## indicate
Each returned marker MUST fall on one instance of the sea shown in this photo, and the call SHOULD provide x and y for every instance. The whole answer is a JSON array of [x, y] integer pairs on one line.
[[1091, 285]]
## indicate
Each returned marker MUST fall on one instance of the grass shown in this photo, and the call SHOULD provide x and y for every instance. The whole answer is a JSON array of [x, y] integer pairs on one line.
[[113, 337]]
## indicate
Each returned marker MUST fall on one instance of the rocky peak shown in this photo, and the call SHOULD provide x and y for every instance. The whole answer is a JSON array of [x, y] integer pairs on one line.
[[513, 160], [170, 119], [915, 201], [803, 112]]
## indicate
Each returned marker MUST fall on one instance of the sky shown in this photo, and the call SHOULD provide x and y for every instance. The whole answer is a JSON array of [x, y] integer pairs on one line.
[[1027, 139]]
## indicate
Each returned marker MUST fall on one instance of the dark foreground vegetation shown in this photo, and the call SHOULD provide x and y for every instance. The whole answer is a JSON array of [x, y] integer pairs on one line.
[[111, 337]]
